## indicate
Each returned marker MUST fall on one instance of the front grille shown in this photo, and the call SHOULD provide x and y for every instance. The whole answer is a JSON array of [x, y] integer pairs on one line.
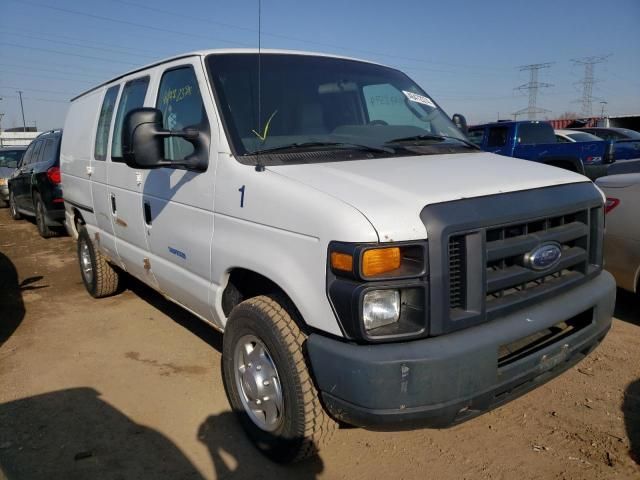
[[508, 276], [508, 280]]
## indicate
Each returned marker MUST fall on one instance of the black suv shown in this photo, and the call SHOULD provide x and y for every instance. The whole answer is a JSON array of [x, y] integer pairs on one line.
[[34, 188]]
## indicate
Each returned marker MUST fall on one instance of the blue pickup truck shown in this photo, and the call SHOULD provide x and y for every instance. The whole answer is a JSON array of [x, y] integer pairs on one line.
[[536, 141]]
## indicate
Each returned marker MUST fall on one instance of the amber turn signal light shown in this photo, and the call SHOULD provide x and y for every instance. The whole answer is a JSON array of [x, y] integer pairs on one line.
[[380, 260], [341, 261]]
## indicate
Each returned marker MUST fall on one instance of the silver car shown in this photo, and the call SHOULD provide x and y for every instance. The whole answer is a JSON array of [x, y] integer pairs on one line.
[[9, 159], [622, 237]]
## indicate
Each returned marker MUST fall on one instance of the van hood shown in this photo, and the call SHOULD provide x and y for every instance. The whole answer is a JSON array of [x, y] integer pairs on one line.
[[391, 192]]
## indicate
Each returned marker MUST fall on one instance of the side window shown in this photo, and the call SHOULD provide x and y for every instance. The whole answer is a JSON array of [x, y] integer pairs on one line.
[[388, 104], [497, 136], [181, 105], [106, 112], [132, 97], [561, 139], [49, 150], [35, 155], [476, 136], [26, 159]]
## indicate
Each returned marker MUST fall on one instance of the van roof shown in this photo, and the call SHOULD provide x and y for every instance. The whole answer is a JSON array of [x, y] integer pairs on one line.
[[219, 51]]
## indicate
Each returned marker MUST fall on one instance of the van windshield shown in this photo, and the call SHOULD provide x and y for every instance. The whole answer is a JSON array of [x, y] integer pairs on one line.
[[321, 103]]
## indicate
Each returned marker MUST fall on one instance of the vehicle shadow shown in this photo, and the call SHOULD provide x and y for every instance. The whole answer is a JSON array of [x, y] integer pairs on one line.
[[182, 317], [234, 456], [71, 434], [11, 305], [631, 411], [627, 307]]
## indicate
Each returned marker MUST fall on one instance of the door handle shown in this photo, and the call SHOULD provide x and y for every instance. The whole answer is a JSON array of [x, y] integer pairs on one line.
[[147, 213], [113, 204]]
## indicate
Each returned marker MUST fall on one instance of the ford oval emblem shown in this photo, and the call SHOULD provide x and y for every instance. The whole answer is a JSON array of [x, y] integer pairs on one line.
[[544, 256]]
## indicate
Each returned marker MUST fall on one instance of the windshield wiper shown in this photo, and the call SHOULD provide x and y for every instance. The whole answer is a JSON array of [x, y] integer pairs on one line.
[[428, 136], [304, 145]]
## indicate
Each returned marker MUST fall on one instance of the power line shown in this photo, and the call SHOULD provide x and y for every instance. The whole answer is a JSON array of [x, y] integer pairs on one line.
[[532, 87], [40, 76], [131, 24], [15, 45], [85, 41], [174, 14], [37, 99], [49, 70], [38, 90], [72, 44], [588, 81]]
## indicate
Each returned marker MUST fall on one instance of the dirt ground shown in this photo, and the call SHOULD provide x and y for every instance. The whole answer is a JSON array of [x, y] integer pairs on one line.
[[130, 387]]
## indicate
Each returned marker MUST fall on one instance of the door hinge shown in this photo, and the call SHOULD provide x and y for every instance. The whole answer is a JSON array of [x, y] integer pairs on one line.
[[89, 171], [147, 264], [138, 178]]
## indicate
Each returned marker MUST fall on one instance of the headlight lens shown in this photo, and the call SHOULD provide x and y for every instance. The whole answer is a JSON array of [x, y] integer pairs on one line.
[[380, 307], [3, 181]]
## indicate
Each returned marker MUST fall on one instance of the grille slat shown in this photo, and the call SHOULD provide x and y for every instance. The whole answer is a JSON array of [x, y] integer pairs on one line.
[[517, 274], [499, 249]]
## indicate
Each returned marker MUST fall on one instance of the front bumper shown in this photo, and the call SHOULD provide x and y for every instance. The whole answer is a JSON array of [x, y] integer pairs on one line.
[[444, 380]]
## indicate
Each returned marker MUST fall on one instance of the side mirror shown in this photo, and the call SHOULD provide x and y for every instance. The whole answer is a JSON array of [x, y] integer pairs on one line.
[[460, 122], [143, 138]]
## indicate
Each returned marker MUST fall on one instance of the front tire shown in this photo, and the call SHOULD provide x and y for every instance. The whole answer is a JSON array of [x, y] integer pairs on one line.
[[100, 278], [13, 207], [267, 381]]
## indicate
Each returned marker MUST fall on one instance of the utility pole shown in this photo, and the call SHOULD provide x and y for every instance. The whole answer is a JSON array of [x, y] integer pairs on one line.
[[1, 115], [24, 124], [603, 103], [532, 87], [588, 81]]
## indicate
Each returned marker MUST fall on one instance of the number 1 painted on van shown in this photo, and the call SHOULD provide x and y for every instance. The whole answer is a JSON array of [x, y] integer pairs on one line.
[[241, 190]]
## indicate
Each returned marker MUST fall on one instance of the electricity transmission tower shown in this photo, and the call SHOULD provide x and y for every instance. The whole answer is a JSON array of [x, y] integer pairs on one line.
[[588, 81], [532, 86]]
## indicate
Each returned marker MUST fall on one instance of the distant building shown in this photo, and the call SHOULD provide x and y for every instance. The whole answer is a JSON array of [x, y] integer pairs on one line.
[[21, 129], [621, 121], [13, 138]]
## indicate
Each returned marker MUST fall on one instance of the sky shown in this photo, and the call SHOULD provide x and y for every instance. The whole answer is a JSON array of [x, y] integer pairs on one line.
[[465, 54]]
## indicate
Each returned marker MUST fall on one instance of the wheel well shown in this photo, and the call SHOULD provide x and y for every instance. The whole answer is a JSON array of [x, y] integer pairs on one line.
[[244, 284], [77, 218], [571, 164]]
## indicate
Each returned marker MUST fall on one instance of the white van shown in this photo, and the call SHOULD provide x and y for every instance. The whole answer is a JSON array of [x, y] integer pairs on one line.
[[367, 264]]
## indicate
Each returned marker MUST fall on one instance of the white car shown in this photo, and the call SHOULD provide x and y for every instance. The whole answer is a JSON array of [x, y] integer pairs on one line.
[[572, 136], [366, 262], [622, 237]]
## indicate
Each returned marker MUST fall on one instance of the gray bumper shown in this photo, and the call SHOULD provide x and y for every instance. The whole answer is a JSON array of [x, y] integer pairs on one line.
[[445, 380]]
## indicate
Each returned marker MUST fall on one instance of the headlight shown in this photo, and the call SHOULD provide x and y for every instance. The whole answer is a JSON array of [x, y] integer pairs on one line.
[[380, 307], [3, 181]]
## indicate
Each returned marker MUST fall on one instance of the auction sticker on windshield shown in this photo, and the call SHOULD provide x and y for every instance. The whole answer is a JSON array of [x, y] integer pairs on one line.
[[414, 97]]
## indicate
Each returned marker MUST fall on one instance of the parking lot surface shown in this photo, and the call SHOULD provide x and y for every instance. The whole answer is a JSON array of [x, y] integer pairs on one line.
[[130, 387]]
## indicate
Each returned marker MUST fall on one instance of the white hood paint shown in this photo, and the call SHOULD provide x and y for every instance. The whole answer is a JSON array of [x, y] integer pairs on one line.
[[391, 192]]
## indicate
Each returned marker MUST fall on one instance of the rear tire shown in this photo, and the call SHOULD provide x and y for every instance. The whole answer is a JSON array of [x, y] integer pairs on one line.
[[301, 426], [13, 208], [100, 278], [41, 220]]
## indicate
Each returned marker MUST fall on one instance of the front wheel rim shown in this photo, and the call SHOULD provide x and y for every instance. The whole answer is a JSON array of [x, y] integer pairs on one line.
[[86, 266], [258, 383]]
